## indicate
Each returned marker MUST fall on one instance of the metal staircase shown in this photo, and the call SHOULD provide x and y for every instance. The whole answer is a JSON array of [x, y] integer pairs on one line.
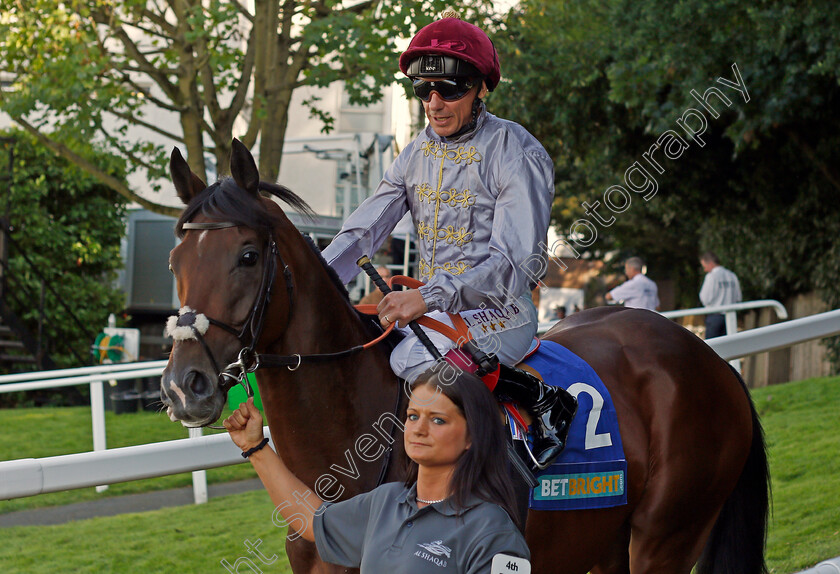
[[13, 350], [20, 349]]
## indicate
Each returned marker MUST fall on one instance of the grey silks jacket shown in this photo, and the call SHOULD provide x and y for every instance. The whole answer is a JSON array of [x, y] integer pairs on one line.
[[480, 205]]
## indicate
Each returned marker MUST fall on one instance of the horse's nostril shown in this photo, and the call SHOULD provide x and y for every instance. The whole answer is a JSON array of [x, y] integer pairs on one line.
[[199, 385]]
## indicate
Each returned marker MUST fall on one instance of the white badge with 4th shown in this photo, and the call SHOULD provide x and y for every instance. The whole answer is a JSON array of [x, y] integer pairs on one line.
[[505, 564]]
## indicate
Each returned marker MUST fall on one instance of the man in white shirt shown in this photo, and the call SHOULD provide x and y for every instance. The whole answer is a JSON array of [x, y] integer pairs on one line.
[[638, 291], [720, 287]]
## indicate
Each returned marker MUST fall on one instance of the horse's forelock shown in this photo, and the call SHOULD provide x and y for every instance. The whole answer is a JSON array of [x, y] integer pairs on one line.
[[226, 201]]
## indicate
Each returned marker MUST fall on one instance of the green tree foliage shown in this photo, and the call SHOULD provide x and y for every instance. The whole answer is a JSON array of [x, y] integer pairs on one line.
[[600, 82], [92, 70], [66, 228]]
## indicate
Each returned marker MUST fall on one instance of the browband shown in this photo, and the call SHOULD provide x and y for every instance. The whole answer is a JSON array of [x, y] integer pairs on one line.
[[209, 225]]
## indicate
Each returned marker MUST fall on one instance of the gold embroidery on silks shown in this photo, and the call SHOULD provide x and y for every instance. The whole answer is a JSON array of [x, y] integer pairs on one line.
[[424, 230], [452, 197], [431, 148], [449, 234], [460, 154], [426, 271], [467, 155], [457, 198], [425, 192], [459, 237]]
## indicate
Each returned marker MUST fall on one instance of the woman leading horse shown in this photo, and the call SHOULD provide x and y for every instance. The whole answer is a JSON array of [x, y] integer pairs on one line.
[[254, 290], [451, 438]]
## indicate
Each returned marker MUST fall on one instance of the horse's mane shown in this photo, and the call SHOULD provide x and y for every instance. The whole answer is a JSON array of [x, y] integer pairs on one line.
[[225, 200], [330, 271]]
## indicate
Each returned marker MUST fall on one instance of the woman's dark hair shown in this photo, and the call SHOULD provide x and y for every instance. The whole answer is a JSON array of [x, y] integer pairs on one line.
[[482, 469]]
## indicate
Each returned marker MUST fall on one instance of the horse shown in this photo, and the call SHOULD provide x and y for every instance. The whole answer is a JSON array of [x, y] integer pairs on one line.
[[697, 472]]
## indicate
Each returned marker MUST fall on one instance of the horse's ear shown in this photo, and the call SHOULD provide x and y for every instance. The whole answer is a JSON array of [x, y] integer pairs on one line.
[[187, 184], [243, 168]]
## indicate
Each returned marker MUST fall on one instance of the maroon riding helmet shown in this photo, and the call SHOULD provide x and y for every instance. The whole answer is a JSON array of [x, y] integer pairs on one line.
[[452, 48]]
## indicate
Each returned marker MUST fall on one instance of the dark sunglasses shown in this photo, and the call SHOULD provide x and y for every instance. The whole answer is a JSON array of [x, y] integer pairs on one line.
[[449, 90]]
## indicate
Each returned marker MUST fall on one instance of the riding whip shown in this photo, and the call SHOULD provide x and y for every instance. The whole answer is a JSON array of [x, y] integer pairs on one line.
[[515, 460], [365, 264]]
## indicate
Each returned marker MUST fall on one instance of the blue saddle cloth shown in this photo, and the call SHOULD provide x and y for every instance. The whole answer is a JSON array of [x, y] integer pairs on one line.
[[591, 471]]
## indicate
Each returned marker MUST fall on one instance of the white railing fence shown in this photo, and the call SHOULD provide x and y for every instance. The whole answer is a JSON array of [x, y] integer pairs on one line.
[[84, 375], [729, 311], [780, 335], [94, 377], [730, 315], [27, 477], [31, 476]]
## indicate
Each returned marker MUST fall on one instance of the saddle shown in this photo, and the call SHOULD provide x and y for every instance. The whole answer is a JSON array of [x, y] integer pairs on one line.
[[466, 355], [551, 408]]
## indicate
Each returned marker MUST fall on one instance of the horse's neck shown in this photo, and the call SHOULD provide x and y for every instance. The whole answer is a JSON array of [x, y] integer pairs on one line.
[[323, 408], [322, 317]]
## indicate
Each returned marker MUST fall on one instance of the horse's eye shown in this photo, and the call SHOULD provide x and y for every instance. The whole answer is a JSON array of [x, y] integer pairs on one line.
[[249, 258]]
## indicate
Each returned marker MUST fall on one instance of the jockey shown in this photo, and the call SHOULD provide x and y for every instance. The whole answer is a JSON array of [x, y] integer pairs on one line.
[[479, 189]]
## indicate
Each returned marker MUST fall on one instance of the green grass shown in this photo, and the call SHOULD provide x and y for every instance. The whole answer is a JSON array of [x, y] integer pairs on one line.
[[802, 427], [800, 420], [188, 539], [51, 431]]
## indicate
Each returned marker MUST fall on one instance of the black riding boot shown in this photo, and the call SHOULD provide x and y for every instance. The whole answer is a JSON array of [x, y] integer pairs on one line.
[[552, 409]]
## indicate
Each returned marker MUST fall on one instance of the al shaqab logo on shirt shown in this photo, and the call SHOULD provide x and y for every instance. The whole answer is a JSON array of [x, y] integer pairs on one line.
[[432, 552]]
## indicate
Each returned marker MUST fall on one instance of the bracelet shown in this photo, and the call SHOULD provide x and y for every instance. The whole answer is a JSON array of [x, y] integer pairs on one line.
[[251, 451]]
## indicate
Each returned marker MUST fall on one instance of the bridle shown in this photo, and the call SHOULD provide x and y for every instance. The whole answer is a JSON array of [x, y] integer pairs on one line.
[[248, 361], [192, 325], [249, 334]]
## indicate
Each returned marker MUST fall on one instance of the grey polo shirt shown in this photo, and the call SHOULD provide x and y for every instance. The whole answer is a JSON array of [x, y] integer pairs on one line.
[[720, 287], [638, 292], [383, 531]]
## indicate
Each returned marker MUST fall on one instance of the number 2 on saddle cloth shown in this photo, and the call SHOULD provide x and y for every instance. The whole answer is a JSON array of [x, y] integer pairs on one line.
[[466, 355]]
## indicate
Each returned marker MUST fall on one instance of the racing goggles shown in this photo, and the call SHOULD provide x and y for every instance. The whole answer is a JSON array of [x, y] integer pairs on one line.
[[448, 89]]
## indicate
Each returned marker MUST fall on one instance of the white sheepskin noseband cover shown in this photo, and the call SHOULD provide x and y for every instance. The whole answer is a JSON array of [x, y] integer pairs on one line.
[[180, 328]]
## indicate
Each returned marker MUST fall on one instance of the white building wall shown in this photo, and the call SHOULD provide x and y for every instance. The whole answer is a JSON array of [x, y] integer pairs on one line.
[[313, 161]]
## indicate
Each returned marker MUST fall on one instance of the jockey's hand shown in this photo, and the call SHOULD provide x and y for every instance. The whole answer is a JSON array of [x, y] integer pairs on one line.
[[402, 306], [245, 425]]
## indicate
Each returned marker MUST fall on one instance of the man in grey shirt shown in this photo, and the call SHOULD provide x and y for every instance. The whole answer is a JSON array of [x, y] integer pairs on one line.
[[720, 287], [638, 291]]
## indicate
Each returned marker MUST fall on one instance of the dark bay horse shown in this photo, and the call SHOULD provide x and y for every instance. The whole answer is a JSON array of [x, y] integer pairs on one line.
[[697, 475]]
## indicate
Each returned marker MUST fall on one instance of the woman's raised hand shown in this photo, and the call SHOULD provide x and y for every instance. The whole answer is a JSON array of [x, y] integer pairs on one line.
[[245, 425]]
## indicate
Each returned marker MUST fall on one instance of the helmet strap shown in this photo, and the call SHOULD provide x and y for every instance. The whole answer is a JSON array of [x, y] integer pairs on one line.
[[476, 109]]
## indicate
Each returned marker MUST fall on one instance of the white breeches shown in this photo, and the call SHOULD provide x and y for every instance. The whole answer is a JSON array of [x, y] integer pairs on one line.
[[506, 333]]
